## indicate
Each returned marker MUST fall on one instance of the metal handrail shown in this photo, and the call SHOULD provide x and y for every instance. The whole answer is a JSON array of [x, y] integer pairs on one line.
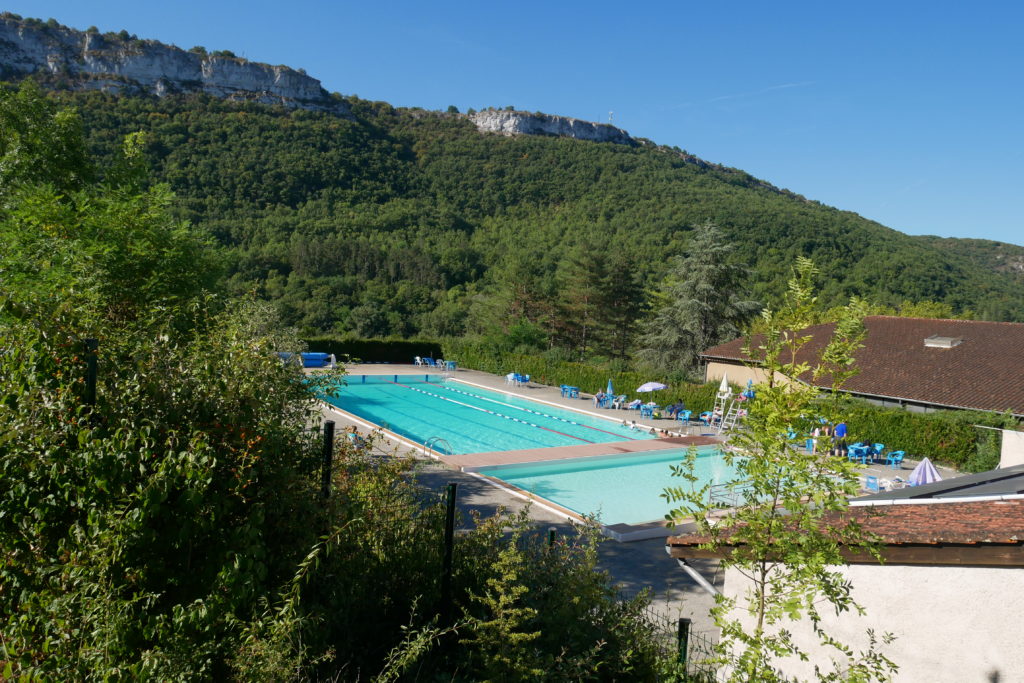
[[434, 443]]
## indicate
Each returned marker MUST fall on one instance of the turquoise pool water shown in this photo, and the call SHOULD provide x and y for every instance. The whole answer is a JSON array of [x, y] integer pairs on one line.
[[471, 419], [616, 489]]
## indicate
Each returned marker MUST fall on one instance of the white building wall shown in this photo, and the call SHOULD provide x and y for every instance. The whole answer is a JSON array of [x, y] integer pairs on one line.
[[737, 374], [1013, 449], [952, 624]]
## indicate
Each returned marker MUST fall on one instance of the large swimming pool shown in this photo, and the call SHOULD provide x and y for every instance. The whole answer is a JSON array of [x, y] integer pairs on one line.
[[455, 417], [616, 489]]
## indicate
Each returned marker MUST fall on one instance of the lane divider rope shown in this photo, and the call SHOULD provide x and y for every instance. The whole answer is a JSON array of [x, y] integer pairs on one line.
[[492, 412], [535, 412]]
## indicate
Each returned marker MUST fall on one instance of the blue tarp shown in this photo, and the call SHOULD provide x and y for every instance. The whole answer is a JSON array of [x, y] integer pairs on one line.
[[315, 360], [309, 359]]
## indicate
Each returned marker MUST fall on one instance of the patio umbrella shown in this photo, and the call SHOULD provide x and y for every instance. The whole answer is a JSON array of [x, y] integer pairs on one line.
[[609, 390], [651, 386], [723, 388], [924, 473]]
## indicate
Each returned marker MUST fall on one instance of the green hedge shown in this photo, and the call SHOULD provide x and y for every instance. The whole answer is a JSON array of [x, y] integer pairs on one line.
[[589, 378], [948, 437], [375, 350]]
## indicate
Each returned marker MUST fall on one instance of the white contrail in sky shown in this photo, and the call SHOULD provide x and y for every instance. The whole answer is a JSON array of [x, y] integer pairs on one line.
[[751, 93]]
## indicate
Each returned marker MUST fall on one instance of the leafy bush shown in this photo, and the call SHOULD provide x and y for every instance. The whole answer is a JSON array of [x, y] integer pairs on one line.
[[368, 597], [135, 532], [946, 436], [589, 378]]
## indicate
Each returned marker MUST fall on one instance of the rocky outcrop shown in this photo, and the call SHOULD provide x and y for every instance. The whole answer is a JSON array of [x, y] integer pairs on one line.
[[524, 123], [117, 63]]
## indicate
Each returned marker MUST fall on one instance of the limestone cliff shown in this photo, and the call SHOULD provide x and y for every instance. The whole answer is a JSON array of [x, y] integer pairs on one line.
[[524, 123], [117, 63]]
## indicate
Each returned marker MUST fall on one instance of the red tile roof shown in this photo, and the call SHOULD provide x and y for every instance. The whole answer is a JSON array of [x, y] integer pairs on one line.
[[981, 522], [984, 372]]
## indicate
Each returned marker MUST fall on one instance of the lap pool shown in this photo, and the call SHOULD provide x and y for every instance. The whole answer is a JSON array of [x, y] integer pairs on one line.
[[615, 489], [460, 418]]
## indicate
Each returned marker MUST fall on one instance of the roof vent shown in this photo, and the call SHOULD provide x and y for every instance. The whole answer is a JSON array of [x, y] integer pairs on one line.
[[937, 342]]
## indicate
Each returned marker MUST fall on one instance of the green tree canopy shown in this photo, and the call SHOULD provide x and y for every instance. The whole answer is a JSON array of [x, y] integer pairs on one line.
[[703, 304]]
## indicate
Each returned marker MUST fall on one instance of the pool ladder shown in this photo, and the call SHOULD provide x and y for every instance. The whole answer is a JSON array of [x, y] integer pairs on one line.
[[435, 443]]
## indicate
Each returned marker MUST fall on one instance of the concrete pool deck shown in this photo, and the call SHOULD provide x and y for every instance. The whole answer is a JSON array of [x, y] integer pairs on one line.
[[469, 462]]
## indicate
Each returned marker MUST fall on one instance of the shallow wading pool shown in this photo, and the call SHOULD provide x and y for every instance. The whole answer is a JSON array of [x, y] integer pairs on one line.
[[616, 489]]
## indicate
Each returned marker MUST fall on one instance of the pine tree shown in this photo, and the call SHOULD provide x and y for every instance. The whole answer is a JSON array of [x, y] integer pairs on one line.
[[704, 305]]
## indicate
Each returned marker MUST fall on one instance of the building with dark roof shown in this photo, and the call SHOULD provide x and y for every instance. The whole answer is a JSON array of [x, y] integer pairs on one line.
[[920, 364], [950, 586]]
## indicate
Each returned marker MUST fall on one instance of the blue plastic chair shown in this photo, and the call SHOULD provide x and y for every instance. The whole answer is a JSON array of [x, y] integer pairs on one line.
[[858, 453], [684, 417], [646, 411], [565, 390], [895, 459], [705, 418]]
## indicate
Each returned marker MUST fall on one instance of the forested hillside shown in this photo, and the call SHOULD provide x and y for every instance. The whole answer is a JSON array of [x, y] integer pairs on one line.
[[405, 222]]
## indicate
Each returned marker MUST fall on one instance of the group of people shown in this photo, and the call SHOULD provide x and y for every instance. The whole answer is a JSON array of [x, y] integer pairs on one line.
[[632, 425], [834, 436]]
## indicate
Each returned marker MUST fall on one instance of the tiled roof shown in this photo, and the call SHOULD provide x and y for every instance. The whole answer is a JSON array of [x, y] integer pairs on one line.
[[985, 522], [984, 372]]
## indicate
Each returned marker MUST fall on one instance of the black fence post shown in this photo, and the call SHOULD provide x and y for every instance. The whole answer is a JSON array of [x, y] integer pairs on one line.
[[683, 639], [551, 536], [449, 547], [328, 458], [91, 356]]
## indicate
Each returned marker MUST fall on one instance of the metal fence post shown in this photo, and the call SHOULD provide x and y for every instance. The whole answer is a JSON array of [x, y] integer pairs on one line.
[[328, 458], [683, 639], [449, 547], [551, 536], [91, 347]]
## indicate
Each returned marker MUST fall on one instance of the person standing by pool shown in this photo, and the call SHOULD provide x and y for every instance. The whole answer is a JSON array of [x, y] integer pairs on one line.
[[840, 438]]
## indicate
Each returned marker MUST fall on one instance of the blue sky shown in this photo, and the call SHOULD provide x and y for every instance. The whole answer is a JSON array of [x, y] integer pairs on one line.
[[908, 113]]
